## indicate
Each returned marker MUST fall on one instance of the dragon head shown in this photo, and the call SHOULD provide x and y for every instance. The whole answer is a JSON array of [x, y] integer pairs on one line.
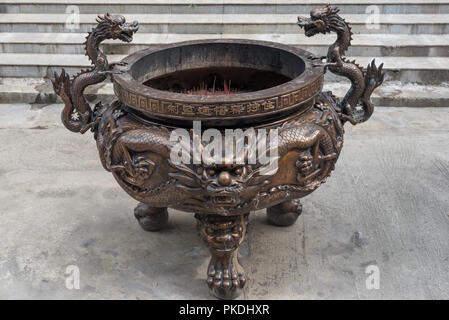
[[223, 184], [115, 27], [218, 185], [322, 20]]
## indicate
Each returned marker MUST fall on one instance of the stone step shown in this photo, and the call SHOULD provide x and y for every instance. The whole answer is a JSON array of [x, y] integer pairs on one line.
[[228, 23], [392, 94], [223, 6], [405, 69], [429, 45]]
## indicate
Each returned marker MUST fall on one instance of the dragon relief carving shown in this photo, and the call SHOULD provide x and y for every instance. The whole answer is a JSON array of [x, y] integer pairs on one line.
[[363, 82], [77, 114], [139, 156], [134, 152]]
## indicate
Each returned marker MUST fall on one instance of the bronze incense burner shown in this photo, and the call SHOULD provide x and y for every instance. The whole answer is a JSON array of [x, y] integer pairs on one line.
[[225, 84]]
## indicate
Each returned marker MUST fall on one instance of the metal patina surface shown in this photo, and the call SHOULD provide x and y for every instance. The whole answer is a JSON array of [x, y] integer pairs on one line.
[[133, 132]]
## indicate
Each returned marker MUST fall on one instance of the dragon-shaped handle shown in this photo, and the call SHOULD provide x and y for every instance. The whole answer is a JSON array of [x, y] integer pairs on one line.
[[77, 115], [326, 20]]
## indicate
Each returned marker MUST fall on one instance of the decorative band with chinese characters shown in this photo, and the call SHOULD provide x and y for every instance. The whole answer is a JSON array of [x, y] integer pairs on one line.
[[244, 108]]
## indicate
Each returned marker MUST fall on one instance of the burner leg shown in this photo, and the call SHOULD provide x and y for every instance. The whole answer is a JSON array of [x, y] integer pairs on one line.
[[223, 235], [285, 214], [150, 218]]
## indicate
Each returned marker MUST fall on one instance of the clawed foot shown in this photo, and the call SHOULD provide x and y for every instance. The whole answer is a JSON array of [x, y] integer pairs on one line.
[[143, 167], [137, 170], [345, 117], [226, 282], [223, 235], [305, 164], [285, 214], [140, 170]]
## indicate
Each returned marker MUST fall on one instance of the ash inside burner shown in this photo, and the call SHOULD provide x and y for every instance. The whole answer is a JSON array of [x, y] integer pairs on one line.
[[217, 81]]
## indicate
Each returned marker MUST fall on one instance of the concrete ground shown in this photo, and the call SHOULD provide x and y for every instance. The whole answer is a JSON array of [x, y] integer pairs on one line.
[[386, 205]]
